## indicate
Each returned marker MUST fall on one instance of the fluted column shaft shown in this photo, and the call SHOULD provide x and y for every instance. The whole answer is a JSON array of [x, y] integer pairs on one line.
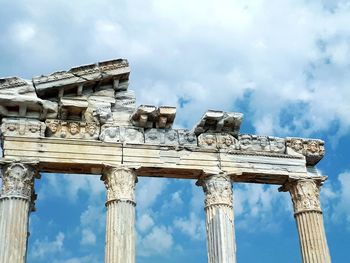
[[120, 218], [221, 243], [16, 200], [305, 195]]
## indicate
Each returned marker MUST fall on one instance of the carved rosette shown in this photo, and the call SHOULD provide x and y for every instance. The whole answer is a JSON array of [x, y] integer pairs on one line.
[[120, 184], [18, 181], [218, 190], [305, 195]]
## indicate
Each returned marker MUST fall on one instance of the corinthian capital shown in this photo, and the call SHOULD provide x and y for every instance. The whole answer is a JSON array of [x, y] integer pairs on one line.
[[18, 181], [305, 195], [120, 183], [217, 189]]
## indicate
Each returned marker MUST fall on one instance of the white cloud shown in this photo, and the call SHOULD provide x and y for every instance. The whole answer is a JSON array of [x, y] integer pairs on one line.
[[144, 222], [158, 242], [45, 248], [193, 226], [88, 237], [70, 185], [260, 207], [280, 54], [339, 208], [85, 259], [148, 190]]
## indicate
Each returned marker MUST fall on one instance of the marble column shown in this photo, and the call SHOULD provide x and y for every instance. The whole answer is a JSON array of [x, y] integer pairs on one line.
[[305, 195], [16, 202], [221, 243], [120, 217]]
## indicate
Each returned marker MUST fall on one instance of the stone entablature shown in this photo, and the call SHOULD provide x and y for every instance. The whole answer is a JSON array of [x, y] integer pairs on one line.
[[85, 120]]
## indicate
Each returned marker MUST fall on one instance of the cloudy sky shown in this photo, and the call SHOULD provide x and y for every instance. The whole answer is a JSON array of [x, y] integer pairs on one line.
[[284, 63]]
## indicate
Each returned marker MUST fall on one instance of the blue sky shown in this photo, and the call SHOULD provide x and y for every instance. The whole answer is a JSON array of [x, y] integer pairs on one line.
[[285, 64]]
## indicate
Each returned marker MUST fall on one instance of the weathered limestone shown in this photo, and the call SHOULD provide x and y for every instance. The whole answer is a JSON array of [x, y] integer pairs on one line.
[[85, 119], [120, 218], [16, 202], [219, 121], [305, 195], [219, 218]]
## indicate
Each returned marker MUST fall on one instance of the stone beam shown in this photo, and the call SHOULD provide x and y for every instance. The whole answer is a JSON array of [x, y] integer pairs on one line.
[[89, 156]]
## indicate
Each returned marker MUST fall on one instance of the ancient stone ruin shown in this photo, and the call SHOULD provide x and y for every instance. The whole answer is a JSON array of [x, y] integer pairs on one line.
[[85, 120]]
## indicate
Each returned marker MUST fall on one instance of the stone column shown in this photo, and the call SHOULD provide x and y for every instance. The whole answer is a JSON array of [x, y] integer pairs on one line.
[[16, 200], [219, 218], [305, 195], [120, 218]]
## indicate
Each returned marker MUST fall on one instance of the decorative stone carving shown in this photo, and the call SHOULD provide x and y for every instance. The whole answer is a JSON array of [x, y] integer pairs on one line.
[[305, 195], [128, 134], [162, 136], [165, 117], [312, 149], [254, 143], [207, 140], [110, 133], [23, 128], [277, 145], [217, 189], [18, 181], [225, 140], [120, 184], [153, 136], [103, 113], [148, 116], [187, 138], [72, 130], [219, 121]]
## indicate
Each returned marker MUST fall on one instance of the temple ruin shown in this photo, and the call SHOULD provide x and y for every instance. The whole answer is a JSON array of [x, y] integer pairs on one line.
[[85, 120]]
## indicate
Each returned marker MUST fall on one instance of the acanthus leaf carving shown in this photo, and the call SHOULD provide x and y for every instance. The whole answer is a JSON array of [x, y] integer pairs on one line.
[[305, 194], [217, 189], [120, 184], [18, 181]]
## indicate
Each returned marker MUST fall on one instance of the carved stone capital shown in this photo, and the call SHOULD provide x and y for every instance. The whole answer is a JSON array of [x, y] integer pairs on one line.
[[217, 190], [305, 195], [18, 181], [120, 184]]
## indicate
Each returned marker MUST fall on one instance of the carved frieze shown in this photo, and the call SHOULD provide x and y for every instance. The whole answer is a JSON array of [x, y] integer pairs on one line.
[[187, 138], [208, 140], [120, 184], [217, 190], [72, 130], [255, 143], [23, 128], [217, 140], [312, 149], [18, 181], [305, 195], [162, 136], [127, 134]]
